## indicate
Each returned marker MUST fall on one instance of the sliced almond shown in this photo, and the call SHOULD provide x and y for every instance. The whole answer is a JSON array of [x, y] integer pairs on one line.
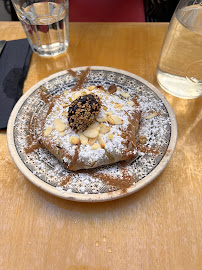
[[102, 119], [59, 125], [90, 88], [131, 103], [151, 115], [48, 131], [74, 140], [88, 92], [64, 105], [92, 141], [83, 138], [125, 95], [75, 96], [110, 136], [62, 134], [66, 92], [108, 113], [104, 129], [91, 133], [117, 120], [110, 120], [95, 146], [94, 125], [106, 98], [118, 106], [101, 142], [64, 113], [118, 88], [104, 107]]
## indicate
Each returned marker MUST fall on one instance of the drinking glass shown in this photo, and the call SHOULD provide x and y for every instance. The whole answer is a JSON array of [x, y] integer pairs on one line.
[[179, 70], [46, 24]]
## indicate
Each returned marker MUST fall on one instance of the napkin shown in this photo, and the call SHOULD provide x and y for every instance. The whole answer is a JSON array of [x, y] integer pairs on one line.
[[14, 65]]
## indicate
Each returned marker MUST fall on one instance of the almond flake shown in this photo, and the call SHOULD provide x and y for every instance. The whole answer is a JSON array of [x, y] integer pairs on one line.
[[75, 96], [90, 88], [104, 128], [110, 136], [74, 140], [118, 88], [151, 115], [83, 138], [125, 95], [118, 106], [110, 120], [92, 141], [94, 125], [117, 120], [64, 105], [95, 146], [59, 125], [64, 113], [131, 103], [108, 113], [104, 107], [102, 119], [48, 131], [91, 133], [62, 134], [101, 142]]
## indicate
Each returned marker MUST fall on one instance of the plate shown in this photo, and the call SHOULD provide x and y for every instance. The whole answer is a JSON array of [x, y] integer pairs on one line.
[[47, 173]]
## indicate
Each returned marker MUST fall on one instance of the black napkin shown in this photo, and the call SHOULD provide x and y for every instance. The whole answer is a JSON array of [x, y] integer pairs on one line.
[[14, 65]]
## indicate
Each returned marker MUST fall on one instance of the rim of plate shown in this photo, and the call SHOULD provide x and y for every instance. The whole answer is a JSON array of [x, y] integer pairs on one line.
[[91, 197]]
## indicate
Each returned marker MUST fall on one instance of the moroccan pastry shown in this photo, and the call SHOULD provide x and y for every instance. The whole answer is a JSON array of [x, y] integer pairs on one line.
[[92, 127]]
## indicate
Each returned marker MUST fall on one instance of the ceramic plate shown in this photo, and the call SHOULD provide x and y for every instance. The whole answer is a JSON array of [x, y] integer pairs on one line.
[[46, 172]]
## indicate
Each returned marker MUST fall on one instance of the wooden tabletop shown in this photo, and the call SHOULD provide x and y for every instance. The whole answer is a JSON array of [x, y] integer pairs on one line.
[[158, 227]]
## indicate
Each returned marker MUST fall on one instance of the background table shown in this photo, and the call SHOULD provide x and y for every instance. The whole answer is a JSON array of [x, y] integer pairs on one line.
[[158, 227]]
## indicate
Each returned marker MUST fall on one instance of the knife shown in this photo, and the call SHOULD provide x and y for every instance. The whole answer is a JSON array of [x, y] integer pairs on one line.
[[2, 44]]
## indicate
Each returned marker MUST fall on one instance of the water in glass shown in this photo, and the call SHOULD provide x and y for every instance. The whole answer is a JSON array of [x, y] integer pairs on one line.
[[179, 70]]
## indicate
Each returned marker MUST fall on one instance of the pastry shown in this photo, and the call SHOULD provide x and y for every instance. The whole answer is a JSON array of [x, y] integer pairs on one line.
[[91, 127]]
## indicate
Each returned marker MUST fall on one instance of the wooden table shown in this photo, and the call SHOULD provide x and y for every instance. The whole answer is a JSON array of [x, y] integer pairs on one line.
[[157, 228]]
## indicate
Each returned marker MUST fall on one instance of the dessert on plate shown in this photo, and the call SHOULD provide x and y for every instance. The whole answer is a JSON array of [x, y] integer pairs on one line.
[[91, 127]]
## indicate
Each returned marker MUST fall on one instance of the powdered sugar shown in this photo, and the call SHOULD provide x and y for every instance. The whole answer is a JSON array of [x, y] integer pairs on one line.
[[46, 167], [90, 157]]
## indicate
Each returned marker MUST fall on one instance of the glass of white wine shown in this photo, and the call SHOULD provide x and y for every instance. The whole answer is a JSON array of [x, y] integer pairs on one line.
[[179, 70]]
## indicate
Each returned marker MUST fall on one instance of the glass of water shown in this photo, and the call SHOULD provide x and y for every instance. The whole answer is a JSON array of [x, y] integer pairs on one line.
[[46, 24], [179, 70]]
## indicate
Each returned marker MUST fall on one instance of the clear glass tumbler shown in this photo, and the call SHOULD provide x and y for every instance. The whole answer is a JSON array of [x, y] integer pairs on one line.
[[46, 24], [179, 70]]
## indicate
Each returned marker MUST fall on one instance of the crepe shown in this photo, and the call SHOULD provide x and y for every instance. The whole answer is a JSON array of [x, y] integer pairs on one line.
[[110, 137]]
